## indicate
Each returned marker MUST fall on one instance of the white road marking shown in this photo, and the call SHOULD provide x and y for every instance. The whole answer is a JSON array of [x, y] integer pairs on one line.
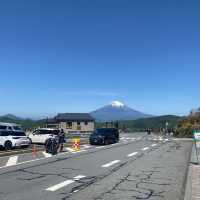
[[70, 149], [78, 151], [38, 159], [111, 163], [86, 146], [64, 183], [46, 155], [12, 161], [100, 147], [132, 154], [153, 145], [145, 148]]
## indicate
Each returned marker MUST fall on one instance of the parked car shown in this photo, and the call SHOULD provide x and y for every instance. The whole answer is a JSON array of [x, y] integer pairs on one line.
[[12, 139], [10, 127], [41, 135], [104, 136]]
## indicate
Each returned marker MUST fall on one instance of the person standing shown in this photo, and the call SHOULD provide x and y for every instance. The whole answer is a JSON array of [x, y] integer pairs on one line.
[[61, 140]]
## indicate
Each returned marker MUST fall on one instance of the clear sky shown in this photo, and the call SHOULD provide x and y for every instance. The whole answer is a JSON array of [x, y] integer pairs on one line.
[[78, 55]]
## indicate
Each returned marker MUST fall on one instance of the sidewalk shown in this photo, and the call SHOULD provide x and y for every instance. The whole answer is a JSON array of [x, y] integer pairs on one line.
[[192, 191]]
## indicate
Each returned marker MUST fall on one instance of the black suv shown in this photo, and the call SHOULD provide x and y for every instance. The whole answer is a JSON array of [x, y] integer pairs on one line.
[[104, 136]]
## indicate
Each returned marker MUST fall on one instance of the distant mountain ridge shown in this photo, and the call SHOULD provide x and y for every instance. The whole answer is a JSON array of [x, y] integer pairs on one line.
[[11, 116], [117, 111]]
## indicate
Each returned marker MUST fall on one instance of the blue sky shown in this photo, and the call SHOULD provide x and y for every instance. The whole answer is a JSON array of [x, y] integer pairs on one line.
[[78, 55]]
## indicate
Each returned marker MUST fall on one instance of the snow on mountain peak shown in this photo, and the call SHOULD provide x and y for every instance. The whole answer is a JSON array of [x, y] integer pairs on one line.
[[117, 104]]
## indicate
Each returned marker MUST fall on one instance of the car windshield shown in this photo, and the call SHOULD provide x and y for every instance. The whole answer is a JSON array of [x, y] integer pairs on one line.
[[17, 128], [101, 131]]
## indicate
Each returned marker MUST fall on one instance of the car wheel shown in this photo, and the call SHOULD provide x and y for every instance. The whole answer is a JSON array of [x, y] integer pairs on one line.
[[8, 145]]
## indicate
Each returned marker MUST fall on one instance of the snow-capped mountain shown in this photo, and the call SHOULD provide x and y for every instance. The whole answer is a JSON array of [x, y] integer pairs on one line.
[[117, 111]]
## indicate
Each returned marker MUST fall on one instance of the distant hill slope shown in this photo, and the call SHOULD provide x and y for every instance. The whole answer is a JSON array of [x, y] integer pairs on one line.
[[152, 122], [116, 111], [25, 123]]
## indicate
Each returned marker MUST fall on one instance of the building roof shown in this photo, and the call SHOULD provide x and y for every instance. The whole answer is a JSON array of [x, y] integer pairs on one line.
[[74, 117]]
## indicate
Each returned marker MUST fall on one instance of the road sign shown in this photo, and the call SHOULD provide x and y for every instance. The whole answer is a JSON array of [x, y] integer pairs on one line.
[[197, 138], [196, 134]]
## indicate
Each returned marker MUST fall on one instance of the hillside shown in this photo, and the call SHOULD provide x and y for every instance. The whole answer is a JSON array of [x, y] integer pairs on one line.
[[152, 122], [186, 126], [25, 123]]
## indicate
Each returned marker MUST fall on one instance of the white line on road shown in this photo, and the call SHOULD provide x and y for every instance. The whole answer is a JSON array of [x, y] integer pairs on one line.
[[46, 155], [70, 149], [64, 183], [78, 151], [132, 154], [100, 147], [12, 161], [111, 163], [86, 146], [153, 145], [145, 148]]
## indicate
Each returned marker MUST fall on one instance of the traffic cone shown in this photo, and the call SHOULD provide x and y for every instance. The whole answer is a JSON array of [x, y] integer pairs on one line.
[[34, 151]]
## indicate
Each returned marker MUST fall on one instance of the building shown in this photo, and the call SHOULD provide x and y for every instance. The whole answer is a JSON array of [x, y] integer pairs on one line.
[[72, 122]]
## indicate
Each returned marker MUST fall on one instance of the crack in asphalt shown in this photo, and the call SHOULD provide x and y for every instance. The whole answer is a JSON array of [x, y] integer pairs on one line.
[[71, 156], [140, 179], [143, 182], [39, 175], [87, 181]]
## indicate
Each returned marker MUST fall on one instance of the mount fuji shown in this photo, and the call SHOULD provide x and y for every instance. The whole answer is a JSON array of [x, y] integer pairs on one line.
[[116, 111]]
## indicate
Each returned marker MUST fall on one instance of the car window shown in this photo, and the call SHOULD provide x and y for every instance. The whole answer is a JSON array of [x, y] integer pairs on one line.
[[3, 127], [36, 132], [18, 134], [10, 128], [5, 133], [17, 128]]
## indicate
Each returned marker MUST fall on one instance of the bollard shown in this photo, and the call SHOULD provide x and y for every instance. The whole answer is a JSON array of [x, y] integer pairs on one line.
[[34, 151], [76, 144]]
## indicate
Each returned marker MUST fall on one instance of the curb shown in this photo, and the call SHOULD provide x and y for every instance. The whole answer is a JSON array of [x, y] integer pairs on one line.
[[189, 190], [11, 153]]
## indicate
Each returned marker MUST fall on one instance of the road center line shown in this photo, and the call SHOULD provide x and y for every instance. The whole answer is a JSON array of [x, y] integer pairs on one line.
[[64, 183], [145, 148], [12, 161], [111, 163], [132, 154]]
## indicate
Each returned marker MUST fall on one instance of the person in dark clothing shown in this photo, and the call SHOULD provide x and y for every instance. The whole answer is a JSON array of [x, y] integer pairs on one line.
[[61, 139]]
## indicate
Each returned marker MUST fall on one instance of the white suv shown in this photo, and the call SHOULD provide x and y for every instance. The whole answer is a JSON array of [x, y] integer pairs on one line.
[[42, 135], [11, 135]]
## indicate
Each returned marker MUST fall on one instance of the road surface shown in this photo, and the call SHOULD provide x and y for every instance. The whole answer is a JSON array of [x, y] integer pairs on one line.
[[138, 167]]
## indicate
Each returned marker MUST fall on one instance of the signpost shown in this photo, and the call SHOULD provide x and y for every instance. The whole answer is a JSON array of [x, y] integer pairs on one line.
[[197, 143]]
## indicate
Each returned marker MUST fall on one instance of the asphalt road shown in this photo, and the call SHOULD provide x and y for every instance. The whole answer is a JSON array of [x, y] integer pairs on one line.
[[138, 167]]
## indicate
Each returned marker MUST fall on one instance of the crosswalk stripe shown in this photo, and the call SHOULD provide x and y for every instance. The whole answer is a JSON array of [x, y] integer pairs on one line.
[[12, 161]]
